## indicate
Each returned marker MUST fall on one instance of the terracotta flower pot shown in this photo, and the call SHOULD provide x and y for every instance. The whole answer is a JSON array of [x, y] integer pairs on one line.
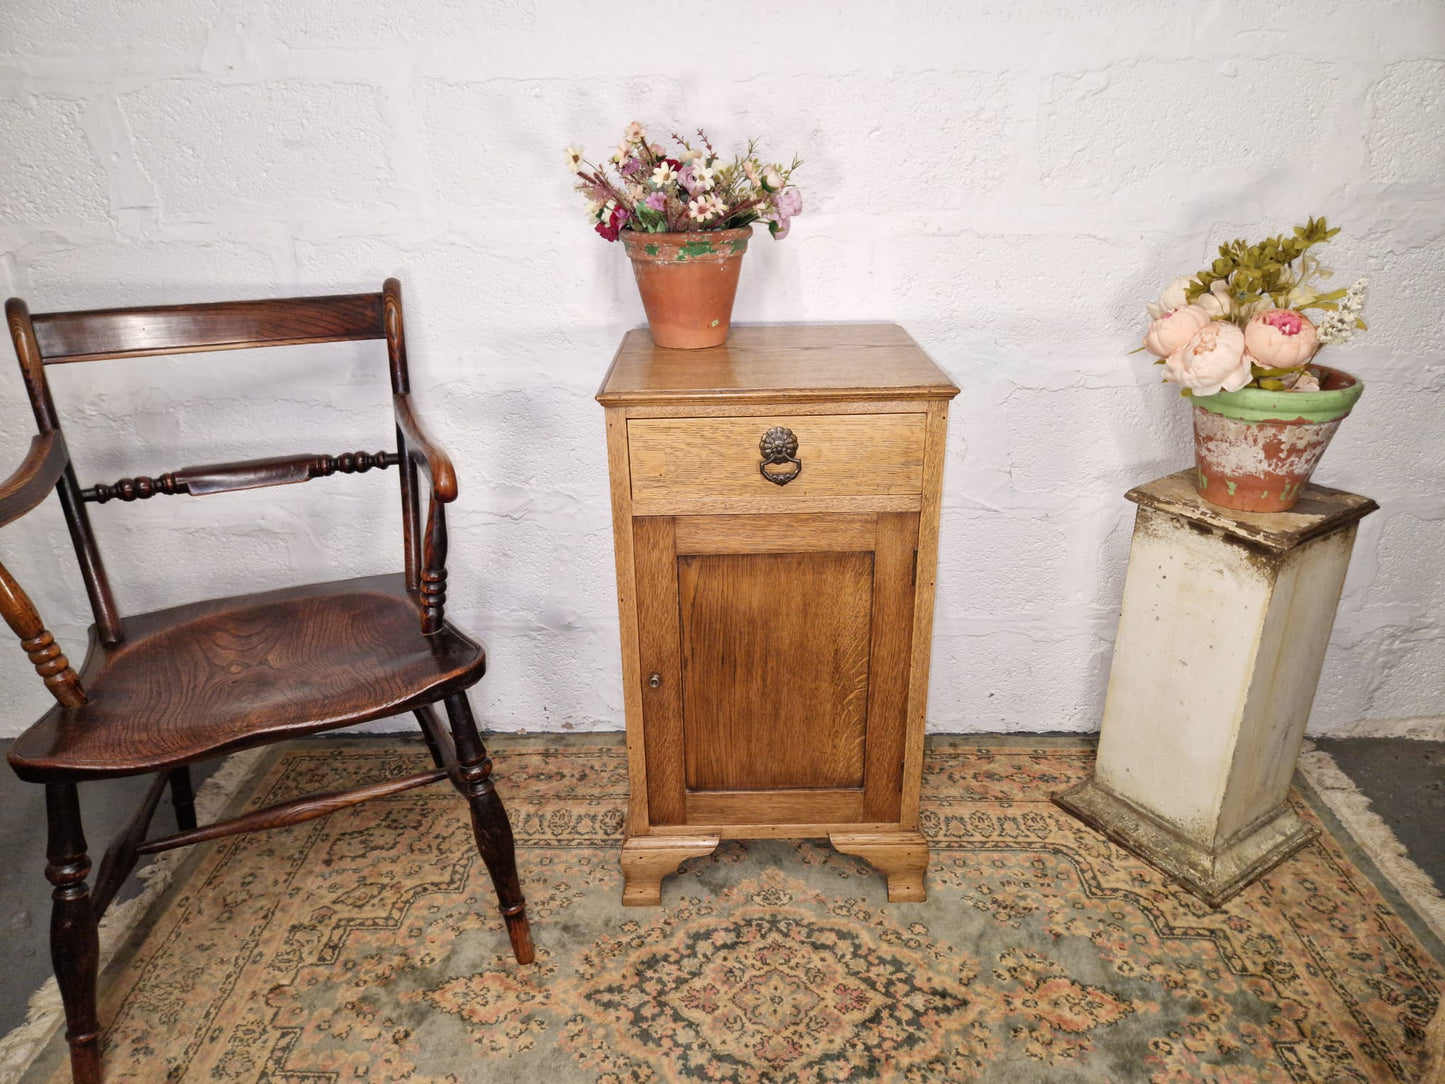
[[1254, 449], [688, 282]]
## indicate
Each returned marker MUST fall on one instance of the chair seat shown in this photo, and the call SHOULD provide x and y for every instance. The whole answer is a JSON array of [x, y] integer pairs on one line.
[[198, 680]]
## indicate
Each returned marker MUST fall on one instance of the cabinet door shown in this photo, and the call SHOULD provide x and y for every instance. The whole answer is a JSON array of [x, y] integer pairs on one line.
[[774, 655]]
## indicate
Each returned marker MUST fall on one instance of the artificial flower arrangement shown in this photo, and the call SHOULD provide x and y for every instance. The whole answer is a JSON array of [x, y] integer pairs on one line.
[[645, 189], [1241, 321]]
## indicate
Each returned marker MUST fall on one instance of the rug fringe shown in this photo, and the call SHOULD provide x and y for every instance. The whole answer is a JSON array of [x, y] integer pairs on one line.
[[45, 1012], [1353, 810]]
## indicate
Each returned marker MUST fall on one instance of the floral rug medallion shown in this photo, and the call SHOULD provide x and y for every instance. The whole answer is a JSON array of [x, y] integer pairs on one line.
[[366, 947]]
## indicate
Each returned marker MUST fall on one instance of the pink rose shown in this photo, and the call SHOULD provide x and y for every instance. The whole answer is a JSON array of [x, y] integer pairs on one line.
[[1213, 360], [1280, 339], [1173, 329]]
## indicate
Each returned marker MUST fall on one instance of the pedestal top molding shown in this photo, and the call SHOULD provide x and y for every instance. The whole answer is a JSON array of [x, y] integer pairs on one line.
[[1320, 510], [800, 362]]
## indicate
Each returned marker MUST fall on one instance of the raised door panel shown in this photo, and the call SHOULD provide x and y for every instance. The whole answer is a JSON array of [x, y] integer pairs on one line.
[[775, 665], [775, 656]]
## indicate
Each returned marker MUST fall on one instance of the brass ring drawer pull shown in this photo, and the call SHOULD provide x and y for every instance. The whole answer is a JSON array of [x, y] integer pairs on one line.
[[779, 446]]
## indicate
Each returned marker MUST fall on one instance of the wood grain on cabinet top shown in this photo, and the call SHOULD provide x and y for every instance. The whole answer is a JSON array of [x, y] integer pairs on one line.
[[798, 362]]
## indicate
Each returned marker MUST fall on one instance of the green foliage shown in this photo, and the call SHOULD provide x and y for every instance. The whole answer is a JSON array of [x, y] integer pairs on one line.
[[1264, 274], [651, 221]]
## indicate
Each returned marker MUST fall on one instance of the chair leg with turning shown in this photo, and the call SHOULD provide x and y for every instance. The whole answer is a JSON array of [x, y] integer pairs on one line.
[[489, 822], [74, 942], [183, 798]]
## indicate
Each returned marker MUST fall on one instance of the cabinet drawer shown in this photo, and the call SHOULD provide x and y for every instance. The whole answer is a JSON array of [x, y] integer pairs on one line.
[[841, 455]]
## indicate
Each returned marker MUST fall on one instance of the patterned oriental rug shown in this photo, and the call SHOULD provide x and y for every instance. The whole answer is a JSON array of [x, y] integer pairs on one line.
[[365, 947]]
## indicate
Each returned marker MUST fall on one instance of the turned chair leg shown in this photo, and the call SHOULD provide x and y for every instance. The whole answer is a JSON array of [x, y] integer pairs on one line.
[[183, 798], [489, 822], [74, 943]]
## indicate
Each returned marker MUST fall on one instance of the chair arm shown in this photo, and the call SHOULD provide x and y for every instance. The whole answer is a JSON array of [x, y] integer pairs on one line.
[[45, 654], [34, 479], [424, 451]]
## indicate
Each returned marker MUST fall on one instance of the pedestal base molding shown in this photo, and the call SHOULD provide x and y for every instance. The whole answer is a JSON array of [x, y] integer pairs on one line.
[[1213, 874]]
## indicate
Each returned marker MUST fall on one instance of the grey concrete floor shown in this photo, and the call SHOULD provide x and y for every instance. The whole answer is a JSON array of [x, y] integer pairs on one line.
[[1404, 780]]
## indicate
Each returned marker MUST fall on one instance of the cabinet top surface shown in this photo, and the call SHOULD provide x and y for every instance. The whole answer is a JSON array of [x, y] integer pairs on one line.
[[822, 362]]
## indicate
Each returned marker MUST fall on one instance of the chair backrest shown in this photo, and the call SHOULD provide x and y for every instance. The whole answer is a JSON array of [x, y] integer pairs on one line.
[[58, 338]]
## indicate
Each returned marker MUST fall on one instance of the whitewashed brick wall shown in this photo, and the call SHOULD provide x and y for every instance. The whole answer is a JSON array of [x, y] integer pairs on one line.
[[1008, 180]]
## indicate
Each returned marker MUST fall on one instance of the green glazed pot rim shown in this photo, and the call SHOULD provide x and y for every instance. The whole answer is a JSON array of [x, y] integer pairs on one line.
[[642, 236], [1259, 405], [699, 246]]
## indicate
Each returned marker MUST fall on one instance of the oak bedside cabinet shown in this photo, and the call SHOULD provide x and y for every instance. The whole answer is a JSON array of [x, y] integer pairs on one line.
[[775, 509]]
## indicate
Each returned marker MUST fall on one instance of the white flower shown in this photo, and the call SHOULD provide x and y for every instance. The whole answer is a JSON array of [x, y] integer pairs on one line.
[[1340, 326], [1216, 301], [573, 157], [773, 180], [700, 210], [663, 175], [719, 208], [701, 177], [624, 149], [1172, 297], [636, 133]]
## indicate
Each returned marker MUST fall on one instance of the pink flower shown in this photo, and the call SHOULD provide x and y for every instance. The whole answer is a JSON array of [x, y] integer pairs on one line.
[[657, 201], [1213, 360], [1280, 339], [786, 204], [1173, 329]]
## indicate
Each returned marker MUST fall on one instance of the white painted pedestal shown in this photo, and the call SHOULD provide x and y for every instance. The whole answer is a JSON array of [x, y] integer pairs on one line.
[[1225, 621]]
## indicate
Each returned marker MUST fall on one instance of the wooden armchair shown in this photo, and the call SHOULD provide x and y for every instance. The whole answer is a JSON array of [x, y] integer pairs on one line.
[[159, 691]]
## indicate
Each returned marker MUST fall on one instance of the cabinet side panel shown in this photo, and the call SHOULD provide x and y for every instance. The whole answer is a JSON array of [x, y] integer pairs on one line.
[[658, 637], [775, 656], [888, 668], [925, 577], [621, 490]]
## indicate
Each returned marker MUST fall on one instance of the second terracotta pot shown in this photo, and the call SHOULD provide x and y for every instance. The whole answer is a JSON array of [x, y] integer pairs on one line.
[[688, 282], [1254, 450]]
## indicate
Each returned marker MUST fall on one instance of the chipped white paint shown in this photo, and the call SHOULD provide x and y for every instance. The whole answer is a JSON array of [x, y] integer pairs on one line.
[[1008, 181], [1215, 666], [1239, 449]]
